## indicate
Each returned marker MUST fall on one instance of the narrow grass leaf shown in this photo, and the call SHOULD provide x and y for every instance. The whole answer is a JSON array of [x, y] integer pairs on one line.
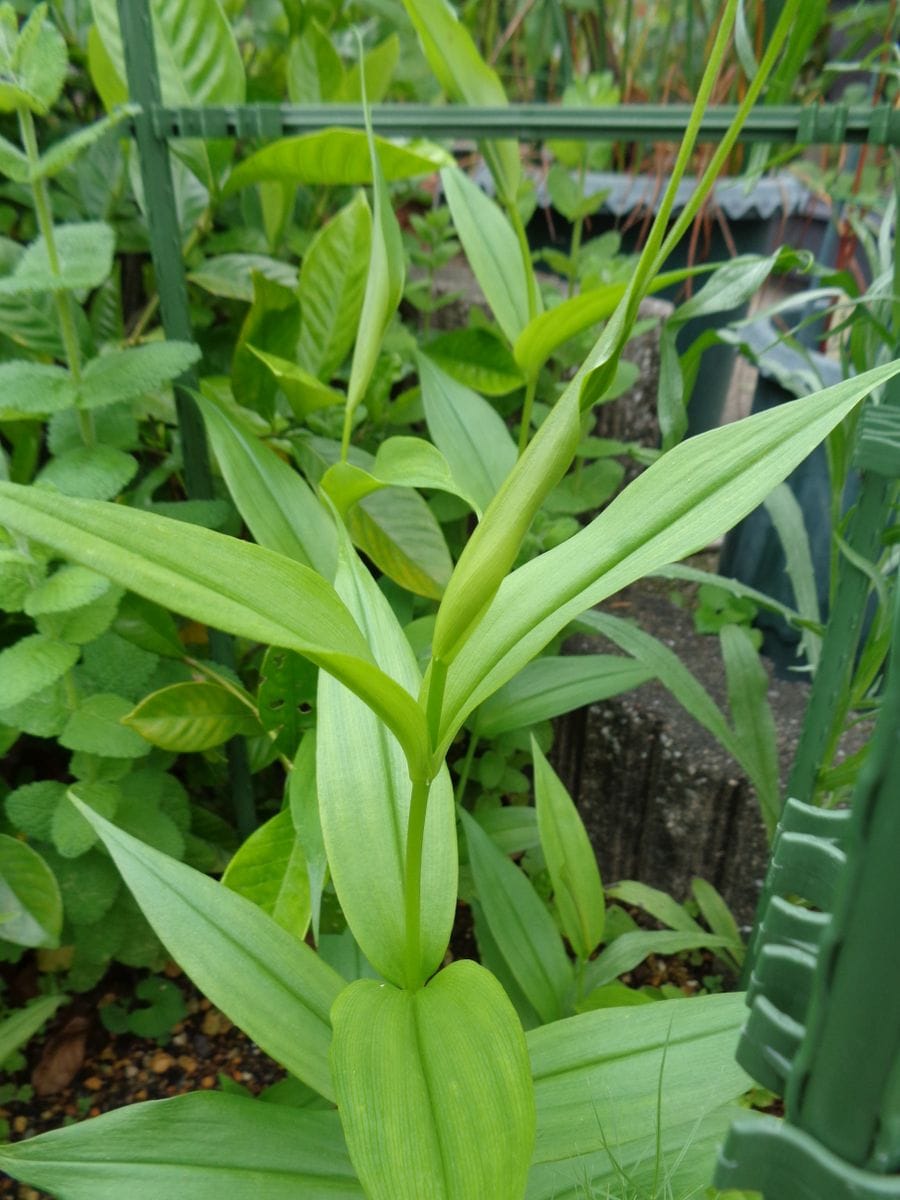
[[24, 1023], [433, 1088], [787, 517], [264, 979], [629, 949], [658, 904], [754, 724]]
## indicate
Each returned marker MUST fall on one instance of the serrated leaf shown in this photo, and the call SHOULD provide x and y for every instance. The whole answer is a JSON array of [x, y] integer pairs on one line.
[[469, 433], [88, 885], [137, 371], [333, 157], [477, 358], [270, 870], [331, 288], [70, 586], [70, 832], [31, 807], [550, 686], [112, 664], [520, 925], [35, 71], [153, 827], [91, 472], [492, 251], [64, 152], [462, 1125], [13, 162], [34, 389], [148, 626], [42, 715], [230, 275], [82, 625], [570, 858], [187, 1144], [32, 664], [18, 574], [269, 983], [96, 728], [85, 255], [30, 906], [189, 717]]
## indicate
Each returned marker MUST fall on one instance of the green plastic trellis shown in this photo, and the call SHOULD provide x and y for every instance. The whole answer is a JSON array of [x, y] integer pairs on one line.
[[824, 1023]]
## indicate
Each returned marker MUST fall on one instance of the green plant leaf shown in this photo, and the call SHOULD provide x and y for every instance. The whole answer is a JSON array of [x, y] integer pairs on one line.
[[397, 530], [31, 807], [70, 586], [469, 433], [189, 1145], [754, 724], [615, 1086], [477, 358], [233, 585], [461, 1126], [416, 463], [304, 392], [286, 697], [520, 925], [25, 1022], [364, 801], [32, 664], [683, 501], [270, 870], [546, 332], [30, 905], [35, 70], [718, 915], [95, 727], [230, 275], [64, 152], [786, 515], [331, 288], [34, 389], [550, 686], [303, 799], [188, 717], [333, 157], [629, 949], [492, 249], [271, 325], [138, 371], [71, 834], [384, 287], [278, 505], [198, 59], [378, 65], [658, 904], [85, 253], [13, 162], [463, 75], [314, 67], [91, 472], [570, 858], [266, 980]]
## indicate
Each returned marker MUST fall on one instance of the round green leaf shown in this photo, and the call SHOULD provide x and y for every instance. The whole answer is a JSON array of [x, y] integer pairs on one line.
[[30, 904]]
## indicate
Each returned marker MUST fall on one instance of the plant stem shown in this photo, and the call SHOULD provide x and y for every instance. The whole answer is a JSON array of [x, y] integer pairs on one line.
[[466, 768], [61, 296], [527, 405], [517, 225], [412, 884]]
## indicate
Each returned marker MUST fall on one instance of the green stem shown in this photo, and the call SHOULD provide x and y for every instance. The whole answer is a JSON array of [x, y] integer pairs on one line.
[[412, 888], [577, 228], [71, 691], [516, 220], [527, 406], [61, 296], [466, 768]]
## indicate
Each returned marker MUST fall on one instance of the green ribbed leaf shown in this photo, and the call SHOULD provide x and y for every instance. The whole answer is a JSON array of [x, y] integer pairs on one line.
[[270, 870], [30, 905], [84, 251], [189, 717]]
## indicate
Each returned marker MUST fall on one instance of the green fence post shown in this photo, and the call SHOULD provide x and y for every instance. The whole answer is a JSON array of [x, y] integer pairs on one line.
[[165, 247]]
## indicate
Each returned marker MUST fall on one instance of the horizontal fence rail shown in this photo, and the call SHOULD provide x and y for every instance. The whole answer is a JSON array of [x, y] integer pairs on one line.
[[821, 124]]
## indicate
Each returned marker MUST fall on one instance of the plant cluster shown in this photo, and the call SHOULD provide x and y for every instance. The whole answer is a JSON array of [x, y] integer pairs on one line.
[[407, 523]]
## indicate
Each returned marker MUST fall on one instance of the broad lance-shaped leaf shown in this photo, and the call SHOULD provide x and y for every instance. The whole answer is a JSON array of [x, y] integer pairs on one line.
[[614, 1086], [25, 1022], [233, 585], [520, 925], [571, 861], [265, 979], [433, 1088], [205, 1145], [193, 716], [464, 75], [270, 870], [492, 250], [364, 801], [332, 157], [384, 286], [690, 496], [30, 904], [278, 505]]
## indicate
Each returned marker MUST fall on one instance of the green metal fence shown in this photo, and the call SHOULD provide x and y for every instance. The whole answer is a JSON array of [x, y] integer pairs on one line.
[[824, 1016]]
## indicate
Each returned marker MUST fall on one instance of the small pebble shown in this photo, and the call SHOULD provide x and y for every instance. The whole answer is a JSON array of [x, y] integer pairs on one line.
[[215, 1023], [208, 1081], [20, 1124], [161, 1062], [93, 1083]]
